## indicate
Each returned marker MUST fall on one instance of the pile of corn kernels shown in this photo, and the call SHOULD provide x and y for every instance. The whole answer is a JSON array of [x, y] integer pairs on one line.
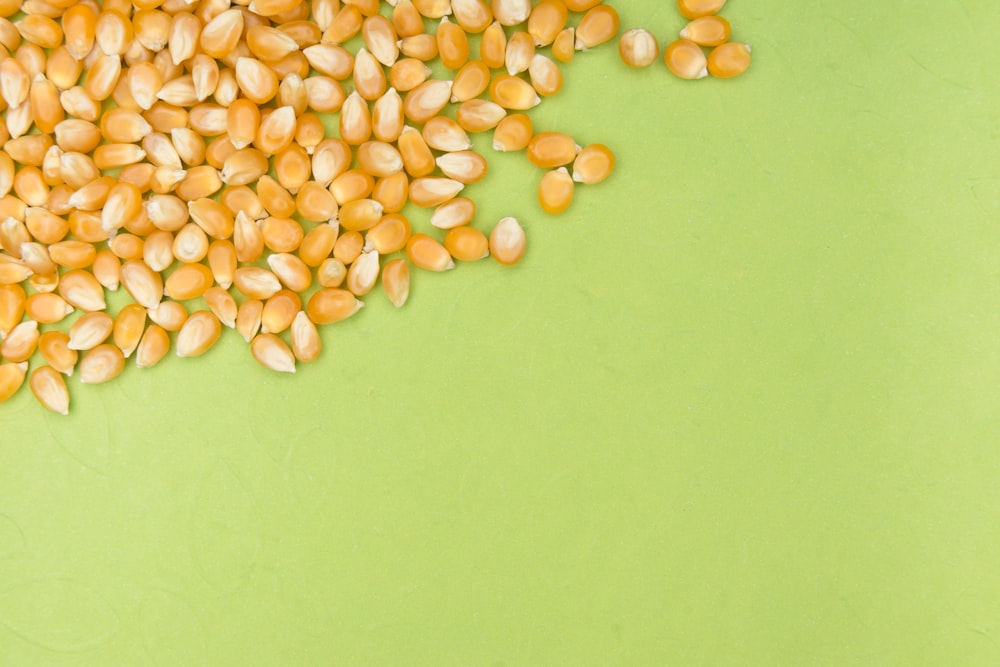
[[179, 149]]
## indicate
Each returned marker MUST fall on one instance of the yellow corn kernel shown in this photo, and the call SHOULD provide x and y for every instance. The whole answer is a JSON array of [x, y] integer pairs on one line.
[[345, 25], [272, 352], [124, 126], [81, 289], [151, 28], [406, 20], [21, 342], [507, 241], [62, 70], [281, 234], [200, 332], [142, 283], [101, 364], [417, 157], [190, 244], [257, 81], [13, 270], [463, 166], [170, 315], [15, 83], [218, 150], [12, 298], [275, 198], [363, 273], [396, 281], [511, 12], [433, 9], [292, 92], [318, 243], [466, 244], [325, 94], [444, 134], [427, 192], [247, 238], [408, 73], [276, 131], [220, 35], [428, 254], [45, 106], [279, 311], [49, 387], [493, 46], [452, 44], [11, 379], [686, 59], [426, 100], [291, 271], [692, 9], [153, 347], [86, 226], [380, 39], [355, 120], [248, 316], [331, 304], [124, 202], [292, 167], [128, 328], [638, 48], [470, 81], [222, 304], [29, 150], [473, 16], [167, 212], [306, 342], [45, 226], [520, 51], [546, 77], [555, 191], [351, 185], [479, 115], [387, 116], [598, 25], [389, 235], [309, 131], [315, 203], [729, 60], [707, 31], [40, 30], [156, 250], [379, 158], [331, 60], [360, 214], [188, 282], [114, 156], [79, 24], [454, 213], [92, 329], [392, 192], [222, 260], [331, 272], [552, 149], [114, 32], [165, 117], [214, 218], [227, 90], [348, 247], [32, 57], [243, 167], [593, 164], [512, 92], [199, 182], [47, 308], [269, 44], [107, 269], [547, 20], [54, 347], [369, 77], [160, 151], [30, 186], [73, 254]]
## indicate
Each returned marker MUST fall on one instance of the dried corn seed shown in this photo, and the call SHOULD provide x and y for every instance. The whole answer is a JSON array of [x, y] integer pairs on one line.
[[54, 347], [318, 244], [330, 159], [220, 35], [686, 59], [44, 226], [315, 203], [101, 364], [479, 115], [422, 47], [47, 308], [352, 184], [331, 272], [188, 282], [426, 100], [165, 117], [444, 134], [279, 311], [474, 16], [428, 254], [380, 38], [272, 353], [389, 235], [546, 77], [29, 150], [593, 164], [222, 260], [13, 270], [142, 283], [281, 234], [692, 9], [248, 318], [348, 247], [406, 20], [379, 158], [114, 156], [153, 347], [222, 305], [369, 77], [40, 30], [290, 270], [452, 44], [396, 281], [555, 191], [275, 198], [168, 314], [218, 150], [360, 214], [330, 305], [466, 244], [638, 48], [507, 241], [157, 250], [520, 51], [79, 23], [128, 328], [12, 298], [408, 73], [81, 289], [49, 388], [257, 81], [124, 126], [247, 238], [552, 149], [511, 12], [73, 254], [255, 282], [729, 60], [345, 25], [11, 379], [598, 25], [463, 166], [86, 226], [107, 269], [30, 186], [547, 19], [417, 157], [309, 131], [707, 31], [512, 92], [293, 168], [454, 213], [243, 167], [124, 202], [269, 44], [276, 131], [392, 192], [387, 116], [471, 81], [363, 273], [91, 330], [214, 218], [13, 233], [21, 342], [200, 332], [306, 342]]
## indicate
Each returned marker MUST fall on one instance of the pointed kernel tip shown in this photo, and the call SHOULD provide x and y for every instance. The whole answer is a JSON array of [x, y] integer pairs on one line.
[[702, 73]]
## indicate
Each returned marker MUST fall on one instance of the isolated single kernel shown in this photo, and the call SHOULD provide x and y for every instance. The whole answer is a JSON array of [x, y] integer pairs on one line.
[[508, 241], [729, 60], [686, 59], [638, 48]]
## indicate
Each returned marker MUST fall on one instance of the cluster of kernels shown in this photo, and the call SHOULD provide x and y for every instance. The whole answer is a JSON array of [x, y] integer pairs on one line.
[[177, 150], [686, 57]]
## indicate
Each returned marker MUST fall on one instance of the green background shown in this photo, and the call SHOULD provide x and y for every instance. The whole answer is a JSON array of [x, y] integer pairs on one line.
[[737, 406]]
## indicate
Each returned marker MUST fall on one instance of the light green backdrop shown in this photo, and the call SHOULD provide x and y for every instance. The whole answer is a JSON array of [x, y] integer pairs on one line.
[[738, 406]]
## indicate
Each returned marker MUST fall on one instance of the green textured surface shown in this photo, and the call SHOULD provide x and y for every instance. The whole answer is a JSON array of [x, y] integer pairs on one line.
[[737, 406]]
